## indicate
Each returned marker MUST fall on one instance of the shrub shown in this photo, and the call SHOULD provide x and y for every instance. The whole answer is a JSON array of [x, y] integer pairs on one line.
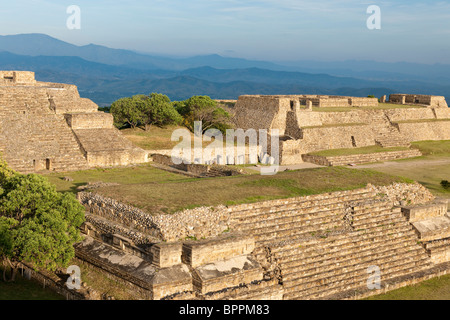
[[445, 184]]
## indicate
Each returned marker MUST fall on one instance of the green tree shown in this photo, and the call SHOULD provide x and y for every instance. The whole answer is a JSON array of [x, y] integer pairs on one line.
[[129, 110], [159, 111], [206, 110], [37, 224], [142, 110]]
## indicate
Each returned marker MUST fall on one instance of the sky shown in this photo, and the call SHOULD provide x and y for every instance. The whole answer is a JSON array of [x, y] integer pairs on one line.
[[273, 30]]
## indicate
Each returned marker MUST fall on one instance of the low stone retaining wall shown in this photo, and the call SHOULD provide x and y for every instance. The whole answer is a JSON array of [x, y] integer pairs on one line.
[[196, 169], [361, 158], [53, 282], [394, 284], [198, 223], [401, 194], [209, 222]]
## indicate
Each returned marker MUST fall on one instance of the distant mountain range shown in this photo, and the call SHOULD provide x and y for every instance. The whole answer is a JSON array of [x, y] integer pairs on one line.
[[104, 74]]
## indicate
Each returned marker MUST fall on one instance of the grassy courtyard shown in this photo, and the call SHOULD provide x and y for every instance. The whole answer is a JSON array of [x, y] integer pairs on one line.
[[168, 192], [429, 170], [23, 289], [434, 289]]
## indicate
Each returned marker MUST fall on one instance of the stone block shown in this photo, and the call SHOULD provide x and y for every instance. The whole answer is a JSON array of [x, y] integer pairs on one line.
[[166, 255], [224, 247], [229, 273], [169, 281], [425, 211], [433, 228]]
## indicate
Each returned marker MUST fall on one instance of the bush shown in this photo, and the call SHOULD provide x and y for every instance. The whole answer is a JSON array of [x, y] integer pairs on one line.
[[141, 110], [206, 110], [445, 184]]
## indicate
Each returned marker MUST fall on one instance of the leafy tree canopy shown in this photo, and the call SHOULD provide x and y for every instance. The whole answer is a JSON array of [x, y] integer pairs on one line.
[[206, 110], [142, 110], [37, 224], [160, 112]]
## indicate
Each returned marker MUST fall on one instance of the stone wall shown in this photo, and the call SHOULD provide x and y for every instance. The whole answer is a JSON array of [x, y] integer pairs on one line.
[[198, 223], [199, 170], [17, 77], [48, 127], [422, 131], [431, 101], [210, 222], [403, 194], [98, 120], [361, 158], [325, 138], [252, 112], [51, 281], [280, 248]]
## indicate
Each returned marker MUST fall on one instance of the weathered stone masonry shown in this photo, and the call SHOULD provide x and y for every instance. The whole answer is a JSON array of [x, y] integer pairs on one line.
[[303, 130], [313, 247], [47, 126]]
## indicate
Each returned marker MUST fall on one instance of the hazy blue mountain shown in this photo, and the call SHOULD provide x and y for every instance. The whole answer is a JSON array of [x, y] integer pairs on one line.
[[44, 45], [105, 74], [366, 69], [69, 64]]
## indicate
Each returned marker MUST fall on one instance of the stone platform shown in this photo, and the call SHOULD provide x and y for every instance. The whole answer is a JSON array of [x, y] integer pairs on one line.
[[361, 158]]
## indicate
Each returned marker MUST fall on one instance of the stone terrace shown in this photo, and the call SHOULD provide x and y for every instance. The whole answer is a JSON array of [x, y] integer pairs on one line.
[[47, 126], [313, 247]]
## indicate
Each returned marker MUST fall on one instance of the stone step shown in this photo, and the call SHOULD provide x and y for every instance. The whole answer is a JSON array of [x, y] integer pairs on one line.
[[435, 228], [290, 230], [292, 270], [332, 286], [368, 234], [304, 202], [264, 221], [388, 218], [430, 210], [341, 249]]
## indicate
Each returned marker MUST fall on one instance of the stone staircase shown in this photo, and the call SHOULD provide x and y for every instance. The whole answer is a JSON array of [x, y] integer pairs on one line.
[[31, 133], [387, 135], [108, 147], [302, 218], [320, 246], [432, 225]]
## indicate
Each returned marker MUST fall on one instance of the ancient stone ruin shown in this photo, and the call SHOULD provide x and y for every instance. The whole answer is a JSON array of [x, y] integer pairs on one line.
[[323, 246], [424, 100], [47, 126], [303, 130]]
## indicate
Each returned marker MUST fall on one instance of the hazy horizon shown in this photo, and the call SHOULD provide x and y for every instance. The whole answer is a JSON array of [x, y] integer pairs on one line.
[[269, 30]]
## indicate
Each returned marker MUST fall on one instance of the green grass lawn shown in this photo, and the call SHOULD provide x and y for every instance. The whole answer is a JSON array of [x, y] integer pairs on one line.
[[429, 170], [154, 139], [128, 175], [433, 149], [428, 174], [353, 151], [171, 196], [23, 289], [434, 289]]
